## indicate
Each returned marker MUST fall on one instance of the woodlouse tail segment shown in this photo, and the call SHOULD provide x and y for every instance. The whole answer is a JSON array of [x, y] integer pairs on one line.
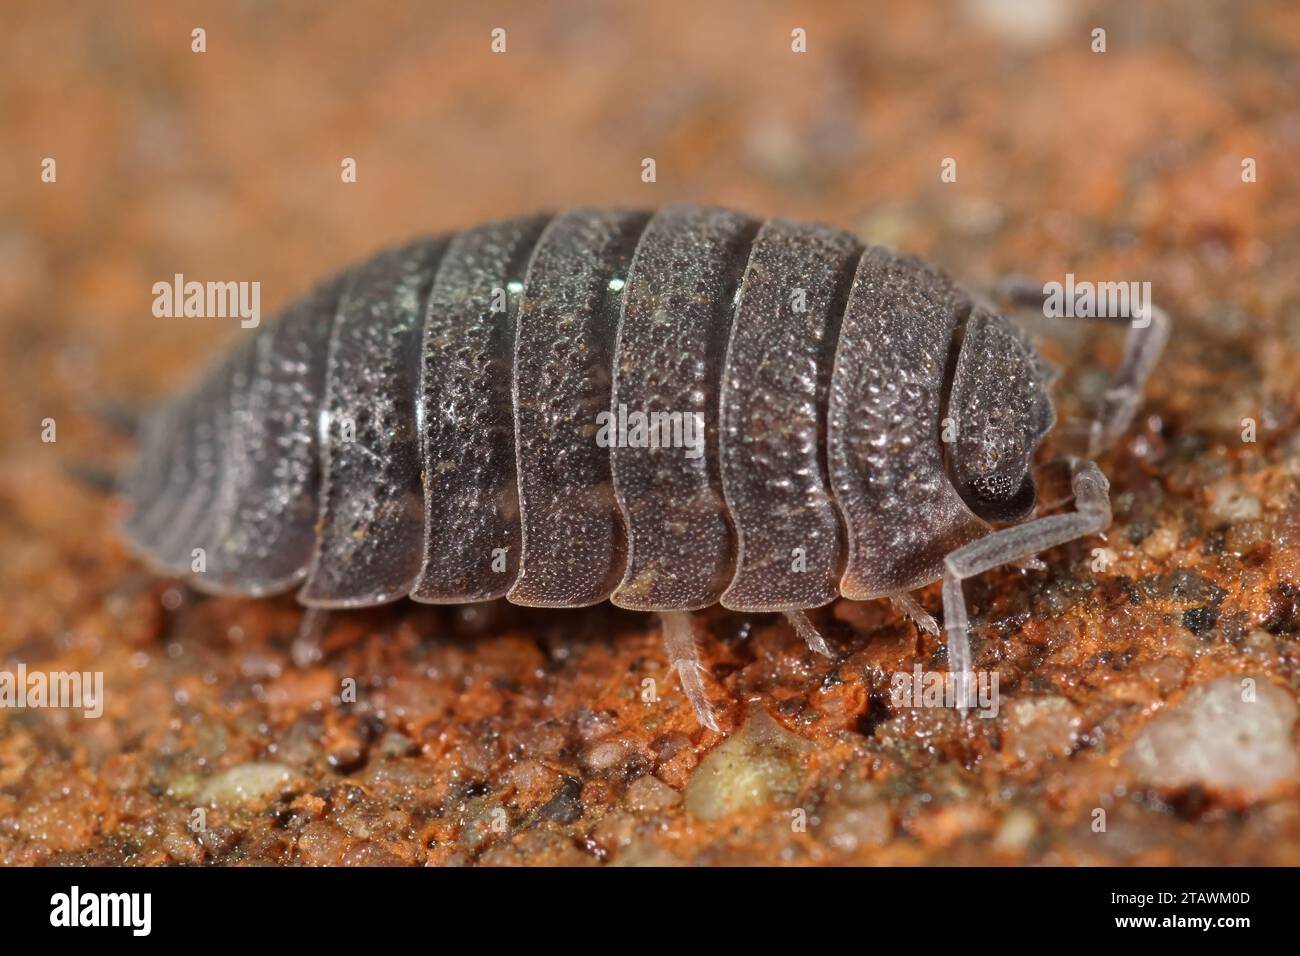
[[684, 659], [1091, 515], [174, 529], [256, 524]]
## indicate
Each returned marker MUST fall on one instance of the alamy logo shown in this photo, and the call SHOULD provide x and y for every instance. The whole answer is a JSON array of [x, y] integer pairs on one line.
[[103, 909], [939, 689], [77, 690], [208, 300], [1098, 300], [651, 430]]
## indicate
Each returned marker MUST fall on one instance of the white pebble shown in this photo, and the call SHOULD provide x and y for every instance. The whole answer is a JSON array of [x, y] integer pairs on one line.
[[1224, 736], [246, 783]]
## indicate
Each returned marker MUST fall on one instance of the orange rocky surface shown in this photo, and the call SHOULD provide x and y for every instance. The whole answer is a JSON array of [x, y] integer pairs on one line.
[[501, 736]]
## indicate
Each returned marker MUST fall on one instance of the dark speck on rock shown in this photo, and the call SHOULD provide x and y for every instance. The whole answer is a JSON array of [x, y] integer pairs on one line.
[[792, 706], [667, 745], [1138, 531], [878, 711], [1132, 592], [1283, 610], [347, 758], [1215, 541], [565, 806], [1188, 445], [394, 744], [1198, 620], [1182, 586]]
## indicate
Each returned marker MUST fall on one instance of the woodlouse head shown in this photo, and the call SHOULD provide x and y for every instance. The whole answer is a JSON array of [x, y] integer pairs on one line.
[[1000, 411]]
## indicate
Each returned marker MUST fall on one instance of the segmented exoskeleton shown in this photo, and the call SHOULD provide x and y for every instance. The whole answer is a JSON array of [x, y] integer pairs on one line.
[[666, 411]]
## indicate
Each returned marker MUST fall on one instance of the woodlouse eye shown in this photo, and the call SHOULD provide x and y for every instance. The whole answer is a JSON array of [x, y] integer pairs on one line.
[[997, 497], [992, 487]]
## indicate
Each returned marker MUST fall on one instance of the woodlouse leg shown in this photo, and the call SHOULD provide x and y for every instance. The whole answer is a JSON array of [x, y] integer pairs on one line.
[[804, 628], [1141, 350], [912, 609], [1147, 337], [679, 641], [305, 650], [1091, 515]]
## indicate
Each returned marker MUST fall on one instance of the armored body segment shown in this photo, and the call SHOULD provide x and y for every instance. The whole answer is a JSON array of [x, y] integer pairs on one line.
[[208, 431], [174, 460], [789, 545], [884, 429], [672, 337], [232, 420], [150, 473], [371, 526], [574, 546], [471, 501], [267, 532]]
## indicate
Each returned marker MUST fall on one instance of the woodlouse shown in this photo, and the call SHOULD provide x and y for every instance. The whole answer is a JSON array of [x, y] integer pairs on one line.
[[428, 422]]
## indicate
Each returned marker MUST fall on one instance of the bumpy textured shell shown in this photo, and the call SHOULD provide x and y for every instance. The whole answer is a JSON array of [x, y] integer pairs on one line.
[[427, 424]]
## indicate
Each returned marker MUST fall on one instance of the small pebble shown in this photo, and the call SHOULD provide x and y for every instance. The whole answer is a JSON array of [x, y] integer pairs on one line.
[[651, 794], [1230, 502], [849, 827], [762, 762], [1160, 543], [1018, 827], [1218, 738], [1037, 728], [247, 783], [606, 755]]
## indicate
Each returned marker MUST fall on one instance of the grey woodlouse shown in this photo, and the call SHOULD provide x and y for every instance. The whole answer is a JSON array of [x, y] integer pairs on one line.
[[425, 424]]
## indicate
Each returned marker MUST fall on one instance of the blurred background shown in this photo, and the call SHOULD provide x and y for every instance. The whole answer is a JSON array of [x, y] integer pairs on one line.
[[225, 164]]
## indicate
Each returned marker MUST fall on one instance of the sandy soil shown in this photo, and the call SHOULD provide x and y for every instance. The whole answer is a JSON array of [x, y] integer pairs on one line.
[[496, 736]]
